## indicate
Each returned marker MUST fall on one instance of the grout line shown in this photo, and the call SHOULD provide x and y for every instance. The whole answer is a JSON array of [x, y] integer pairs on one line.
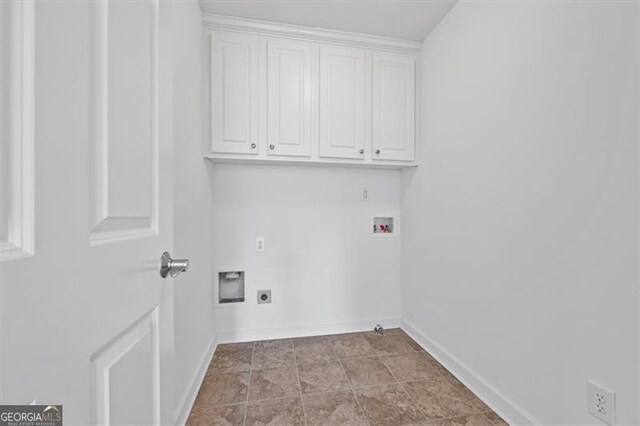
[[231, 404], [295, 361], [353, 391], [409, 397], [246, 403], [377, 385], [326, 392], [277, 398], [389, 370]]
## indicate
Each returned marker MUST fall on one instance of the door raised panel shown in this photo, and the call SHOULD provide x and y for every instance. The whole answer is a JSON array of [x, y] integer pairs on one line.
[[125, 376], [234, 99], [342, 102], [289, 98], [17, 129], [393, 107], [125, 120]]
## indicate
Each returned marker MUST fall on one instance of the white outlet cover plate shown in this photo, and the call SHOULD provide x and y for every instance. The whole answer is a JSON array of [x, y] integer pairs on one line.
[[260, 244], [601, 402], [364, 194]]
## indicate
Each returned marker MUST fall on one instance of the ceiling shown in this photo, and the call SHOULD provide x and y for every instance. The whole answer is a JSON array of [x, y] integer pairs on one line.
[[408, 20]]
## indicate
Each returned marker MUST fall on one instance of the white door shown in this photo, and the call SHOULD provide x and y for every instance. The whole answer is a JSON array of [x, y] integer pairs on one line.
[[87, 209], [289, 98], [393, 106], [234, 93], [342, 102]]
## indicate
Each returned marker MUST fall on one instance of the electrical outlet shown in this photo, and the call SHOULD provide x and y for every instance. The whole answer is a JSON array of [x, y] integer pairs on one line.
[[601, 402], [260, 244], [364, 194], [264, 296]]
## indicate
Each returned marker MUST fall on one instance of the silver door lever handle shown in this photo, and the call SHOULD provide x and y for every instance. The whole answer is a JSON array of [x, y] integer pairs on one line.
[[173, 267]]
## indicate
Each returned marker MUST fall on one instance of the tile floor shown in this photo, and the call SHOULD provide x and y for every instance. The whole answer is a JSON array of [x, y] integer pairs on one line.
[[344, 379]]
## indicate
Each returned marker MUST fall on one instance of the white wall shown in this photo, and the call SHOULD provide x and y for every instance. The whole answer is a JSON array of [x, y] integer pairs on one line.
[[520, 253], [194, 321], [326, 272]]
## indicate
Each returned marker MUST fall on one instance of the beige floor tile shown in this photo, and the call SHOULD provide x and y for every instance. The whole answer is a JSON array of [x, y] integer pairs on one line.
[[231, 415], [276, 356], [333, 408], [387, 344], [495, 419], [223, 389], [438, 399], [277, 412], [311, 339], [434, 362], [314, 351], [274, 344], [333, 337], [227, 360], [472, 399], [388, 405], [366, 372], [233, 347], [409, 366], [400, 333], [273, 383], [322, 377], [352, 346]]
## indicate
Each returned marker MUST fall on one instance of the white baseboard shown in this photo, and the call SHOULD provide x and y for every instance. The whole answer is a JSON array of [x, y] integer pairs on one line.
[[183, 408], [247, 335], [511, 412]]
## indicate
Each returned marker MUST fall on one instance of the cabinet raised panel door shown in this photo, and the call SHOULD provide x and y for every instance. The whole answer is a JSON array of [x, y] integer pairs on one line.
[[300, 99], [342, 102], [289, 98], [393, 107], [234, 93]]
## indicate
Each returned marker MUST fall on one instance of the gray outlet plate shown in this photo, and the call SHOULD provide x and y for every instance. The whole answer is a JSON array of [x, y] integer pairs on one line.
[[261, 296]]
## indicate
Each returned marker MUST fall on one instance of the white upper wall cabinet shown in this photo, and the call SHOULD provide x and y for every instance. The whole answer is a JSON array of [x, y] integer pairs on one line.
[[393, 107], [234, 93], [288, 94], [289, 98], [342, 102]]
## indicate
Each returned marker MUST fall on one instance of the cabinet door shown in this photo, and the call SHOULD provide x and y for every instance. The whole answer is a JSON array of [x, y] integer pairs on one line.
[[393, 107], [289, 98], [342, 102], [234, 93]]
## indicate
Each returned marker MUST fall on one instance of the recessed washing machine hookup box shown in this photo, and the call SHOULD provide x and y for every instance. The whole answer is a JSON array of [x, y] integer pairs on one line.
[[231, 287], [383, 225]]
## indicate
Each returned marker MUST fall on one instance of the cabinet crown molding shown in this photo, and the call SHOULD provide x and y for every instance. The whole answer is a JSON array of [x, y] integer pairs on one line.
[[299, 32]]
